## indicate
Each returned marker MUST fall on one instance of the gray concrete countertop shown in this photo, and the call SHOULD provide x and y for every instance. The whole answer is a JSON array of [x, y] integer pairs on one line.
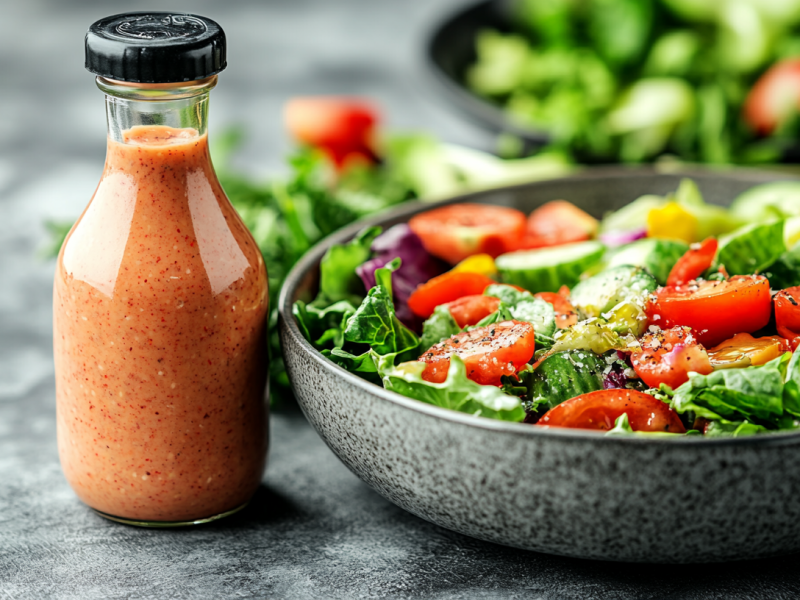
[[313, 530]]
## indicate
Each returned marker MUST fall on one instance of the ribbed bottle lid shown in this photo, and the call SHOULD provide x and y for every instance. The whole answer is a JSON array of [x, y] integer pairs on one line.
[[155, 47]]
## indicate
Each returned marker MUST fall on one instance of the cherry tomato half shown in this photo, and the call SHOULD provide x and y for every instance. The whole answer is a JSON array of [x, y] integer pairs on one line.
[[669, 356], [599, 410], [555, 223], [694, 263], [460, 230], [715, 310], [566, 315], [342, 127], [787, 315], [446, 288], [488, 352], [469, 310], [775, 97]]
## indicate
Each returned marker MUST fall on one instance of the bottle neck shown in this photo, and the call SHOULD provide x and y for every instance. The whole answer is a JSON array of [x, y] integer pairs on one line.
[[174, 105]]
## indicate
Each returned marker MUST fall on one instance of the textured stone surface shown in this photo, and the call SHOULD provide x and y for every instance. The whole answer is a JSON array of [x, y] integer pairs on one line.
[[314, 530]]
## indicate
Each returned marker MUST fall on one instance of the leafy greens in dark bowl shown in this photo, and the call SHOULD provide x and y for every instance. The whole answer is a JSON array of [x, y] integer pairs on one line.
[[626, 80], [566, 492]]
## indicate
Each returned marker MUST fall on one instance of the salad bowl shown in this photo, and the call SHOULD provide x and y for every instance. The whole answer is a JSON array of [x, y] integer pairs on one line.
[[561, 491]]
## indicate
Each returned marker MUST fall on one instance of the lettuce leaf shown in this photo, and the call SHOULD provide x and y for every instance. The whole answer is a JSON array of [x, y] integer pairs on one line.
[[438, 326], [375, 324], [455, 393], [754, 394], [338, 279], [323, 327]]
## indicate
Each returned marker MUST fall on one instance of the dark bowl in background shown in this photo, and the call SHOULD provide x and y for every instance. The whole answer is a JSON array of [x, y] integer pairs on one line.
[[560, 491], [451, 50]]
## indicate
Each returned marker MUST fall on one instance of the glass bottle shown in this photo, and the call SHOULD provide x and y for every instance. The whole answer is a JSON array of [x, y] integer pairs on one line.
[[160, 298]]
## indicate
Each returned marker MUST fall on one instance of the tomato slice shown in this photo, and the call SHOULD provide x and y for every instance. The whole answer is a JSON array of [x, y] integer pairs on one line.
[[460, 230], [446, 288], [694, 263], [669, 356], [471, 309], [566, 315], [787, 308], [488, 352], [715, 310], [774, 98], [599, 410], [555, 223], [787, 315], [343, 128]]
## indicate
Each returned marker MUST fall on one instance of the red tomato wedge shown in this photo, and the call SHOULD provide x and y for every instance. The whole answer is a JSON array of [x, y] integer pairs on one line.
[[446, 288], [555, 223], [694, 263], [715, 310], [343, 128], [471, 309], [787, 315], [599, 410], [566, 315], [775, 97], [669, 356], [460, 230], [488, 352]]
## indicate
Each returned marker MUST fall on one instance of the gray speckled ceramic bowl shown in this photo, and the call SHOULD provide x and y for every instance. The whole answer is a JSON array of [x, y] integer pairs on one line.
[[566, 492]]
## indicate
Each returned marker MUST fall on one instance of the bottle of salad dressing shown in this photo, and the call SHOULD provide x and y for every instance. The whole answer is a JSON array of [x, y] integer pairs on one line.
[[160, 296]]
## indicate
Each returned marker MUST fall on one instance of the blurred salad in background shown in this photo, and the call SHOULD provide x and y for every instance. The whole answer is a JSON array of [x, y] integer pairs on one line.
[[345, 167], [714, 81]]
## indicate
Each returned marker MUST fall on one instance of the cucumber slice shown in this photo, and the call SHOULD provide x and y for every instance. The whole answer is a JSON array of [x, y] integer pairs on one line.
[[599, 294], [752, 248], [656, 255], [547, 269], [562, 376], [778, 199]]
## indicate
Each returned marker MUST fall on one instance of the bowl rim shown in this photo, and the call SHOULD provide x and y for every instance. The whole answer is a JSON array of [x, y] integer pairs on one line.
[[479, 109], [311, 258]]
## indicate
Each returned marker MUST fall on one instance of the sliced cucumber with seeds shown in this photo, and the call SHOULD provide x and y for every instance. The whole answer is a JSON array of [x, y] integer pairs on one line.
[[752, 248], [599, 294], [547, 269], [562, 376], [656, 255]]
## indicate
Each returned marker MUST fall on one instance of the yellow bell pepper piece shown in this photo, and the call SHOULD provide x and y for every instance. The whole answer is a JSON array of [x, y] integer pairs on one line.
[[672, 221], [477, 263]]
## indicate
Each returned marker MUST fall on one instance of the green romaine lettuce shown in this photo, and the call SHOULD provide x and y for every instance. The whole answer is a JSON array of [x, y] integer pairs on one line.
[[374, 323], [456, 392], [440, 325], [337, 269], [753, 394]]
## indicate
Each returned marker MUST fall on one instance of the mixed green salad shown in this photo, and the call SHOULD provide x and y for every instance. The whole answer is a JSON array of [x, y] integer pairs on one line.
[[668, 317], [714, 81]]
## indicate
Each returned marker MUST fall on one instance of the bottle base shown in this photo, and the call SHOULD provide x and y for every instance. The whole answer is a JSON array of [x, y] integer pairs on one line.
[[169, 524]]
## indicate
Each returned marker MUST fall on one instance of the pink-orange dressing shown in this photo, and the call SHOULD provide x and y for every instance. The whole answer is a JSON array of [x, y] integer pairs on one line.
[[160, 308]]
